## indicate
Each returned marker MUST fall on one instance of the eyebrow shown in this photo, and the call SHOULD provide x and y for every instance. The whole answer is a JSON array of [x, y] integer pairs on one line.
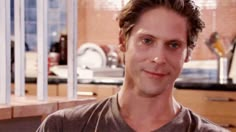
[[140, 34], [176, 40]]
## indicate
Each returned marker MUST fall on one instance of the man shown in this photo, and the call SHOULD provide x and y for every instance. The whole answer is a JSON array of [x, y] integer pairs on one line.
[[156, 37]]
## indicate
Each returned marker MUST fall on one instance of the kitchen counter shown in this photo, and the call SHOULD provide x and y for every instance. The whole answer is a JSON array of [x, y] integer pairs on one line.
[[205, 86], [195, 84], [26, 113], [29, 106]]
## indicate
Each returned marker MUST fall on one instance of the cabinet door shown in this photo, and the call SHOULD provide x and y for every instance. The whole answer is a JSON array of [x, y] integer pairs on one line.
[[224, 121], [208, 102], [217, 106], [98, 91], [31, 89]]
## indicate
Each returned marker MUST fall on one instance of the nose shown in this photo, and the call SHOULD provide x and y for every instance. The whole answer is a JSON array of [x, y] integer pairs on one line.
[[158, 60], [158, 55], [155, 59]]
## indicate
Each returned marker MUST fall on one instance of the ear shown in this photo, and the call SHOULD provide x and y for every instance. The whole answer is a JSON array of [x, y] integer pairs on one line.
[[188, 55], [122, 41]]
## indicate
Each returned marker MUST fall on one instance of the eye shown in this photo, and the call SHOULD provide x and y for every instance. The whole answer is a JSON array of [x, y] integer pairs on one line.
[[147, 41], [174, 44]]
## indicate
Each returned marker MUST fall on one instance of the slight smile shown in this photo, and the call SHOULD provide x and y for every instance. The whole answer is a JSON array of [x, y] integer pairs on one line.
[[155, 74]]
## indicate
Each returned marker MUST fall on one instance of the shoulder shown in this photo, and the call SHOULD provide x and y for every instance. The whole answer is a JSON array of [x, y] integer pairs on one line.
[[77, 116], [202, 124], [52, 122]]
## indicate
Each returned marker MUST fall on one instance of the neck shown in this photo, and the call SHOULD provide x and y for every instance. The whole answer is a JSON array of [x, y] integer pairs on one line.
[[147, 112]]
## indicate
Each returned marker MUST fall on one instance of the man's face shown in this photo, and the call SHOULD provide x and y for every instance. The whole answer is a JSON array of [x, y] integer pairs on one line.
[[155, 51]]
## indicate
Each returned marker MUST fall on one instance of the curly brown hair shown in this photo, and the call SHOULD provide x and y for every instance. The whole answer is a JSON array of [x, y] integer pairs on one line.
[[186, 8]]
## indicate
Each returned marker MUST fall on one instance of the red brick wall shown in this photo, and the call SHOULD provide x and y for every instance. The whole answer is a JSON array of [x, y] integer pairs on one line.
[[99, 26]]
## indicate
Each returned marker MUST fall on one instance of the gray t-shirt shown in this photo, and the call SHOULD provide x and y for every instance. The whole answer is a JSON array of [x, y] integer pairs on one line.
[[104, 116]]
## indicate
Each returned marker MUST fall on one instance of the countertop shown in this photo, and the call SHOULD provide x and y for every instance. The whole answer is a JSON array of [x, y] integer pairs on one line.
[[200, 84], [29, 106]]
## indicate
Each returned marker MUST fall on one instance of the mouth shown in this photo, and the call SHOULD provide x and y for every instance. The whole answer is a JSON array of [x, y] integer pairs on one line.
[[155, 74]]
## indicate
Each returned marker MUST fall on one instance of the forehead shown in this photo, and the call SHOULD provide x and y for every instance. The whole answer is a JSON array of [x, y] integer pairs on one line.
[[162, 23]]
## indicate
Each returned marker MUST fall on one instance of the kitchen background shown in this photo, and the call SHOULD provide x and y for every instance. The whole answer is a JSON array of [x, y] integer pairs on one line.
[[97, 25], [56, 21], [196, 88], [97, 22]]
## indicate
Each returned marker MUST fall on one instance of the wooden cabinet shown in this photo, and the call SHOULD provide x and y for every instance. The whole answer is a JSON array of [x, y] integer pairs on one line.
[[31, 89], [217, 106], [98, 91]]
